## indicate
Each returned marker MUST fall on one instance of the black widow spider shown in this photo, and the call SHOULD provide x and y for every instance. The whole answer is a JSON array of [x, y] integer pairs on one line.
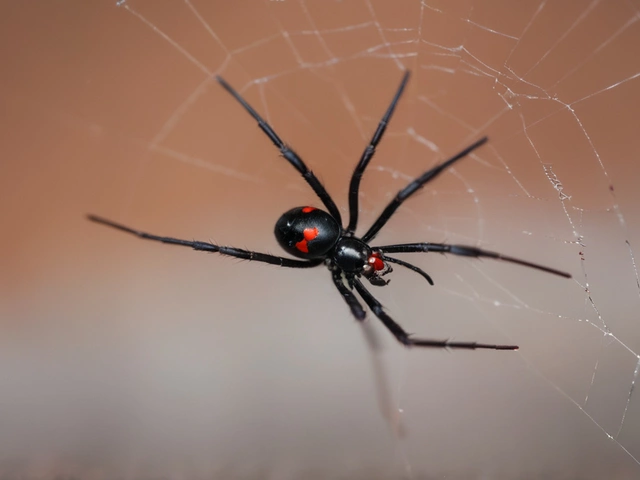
[[319, 237]]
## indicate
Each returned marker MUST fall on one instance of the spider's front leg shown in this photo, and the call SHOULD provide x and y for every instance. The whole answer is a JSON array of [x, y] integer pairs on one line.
[[465, 251], [404, 338], [353, 259]]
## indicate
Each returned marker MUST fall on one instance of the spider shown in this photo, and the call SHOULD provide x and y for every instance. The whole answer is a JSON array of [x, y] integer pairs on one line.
[[318, 237]]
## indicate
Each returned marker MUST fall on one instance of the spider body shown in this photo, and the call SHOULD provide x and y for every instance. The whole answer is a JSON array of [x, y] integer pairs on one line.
[[307, 232], [351, 255], [318, 237], [354, 258]]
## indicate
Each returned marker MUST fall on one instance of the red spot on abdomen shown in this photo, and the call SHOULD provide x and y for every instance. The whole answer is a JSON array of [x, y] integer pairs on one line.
[[309, 234], [307, 209]]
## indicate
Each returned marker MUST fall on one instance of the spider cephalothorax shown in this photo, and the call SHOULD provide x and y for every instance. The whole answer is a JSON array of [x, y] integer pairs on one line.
[[317, 236]]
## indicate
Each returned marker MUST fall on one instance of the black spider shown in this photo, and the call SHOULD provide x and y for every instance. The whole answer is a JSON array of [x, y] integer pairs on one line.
[[319, 237]]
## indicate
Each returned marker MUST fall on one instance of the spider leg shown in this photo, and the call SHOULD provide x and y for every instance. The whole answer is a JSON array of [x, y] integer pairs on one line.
[[349, 297], [404, 338], [415, 185], [419, 271], [465, 251], [210, 247], [291, 156], [368, 153]]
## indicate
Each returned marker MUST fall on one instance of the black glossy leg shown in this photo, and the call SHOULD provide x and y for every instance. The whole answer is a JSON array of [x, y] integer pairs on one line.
[[210, 247], [416, 184], [349, 297], [465, 251], [354, 185], [409, 341], [291, 156]]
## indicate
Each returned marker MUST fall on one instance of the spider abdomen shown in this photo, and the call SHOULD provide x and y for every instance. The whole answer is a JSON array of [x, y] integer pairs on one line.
[[307, 232]]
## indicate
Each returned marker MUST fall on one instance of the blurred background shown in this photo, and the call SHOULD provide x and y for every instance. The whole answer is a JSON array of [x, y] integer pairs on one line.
[[127, 359]]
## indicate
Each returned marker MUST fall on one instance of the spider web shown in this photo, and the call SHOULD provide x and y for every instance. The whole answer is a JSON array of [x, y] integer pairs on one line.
[[272, 378]]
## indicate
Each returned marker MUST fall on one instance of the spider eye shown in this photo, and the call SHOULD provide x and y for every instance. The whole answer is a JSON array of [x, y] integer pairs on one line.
[[375, 261], [307, 232]]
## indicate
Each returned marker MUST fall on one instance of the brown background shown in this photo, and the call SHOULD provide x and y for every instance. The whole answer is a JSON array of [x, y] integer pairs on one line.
[[125, 359]]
